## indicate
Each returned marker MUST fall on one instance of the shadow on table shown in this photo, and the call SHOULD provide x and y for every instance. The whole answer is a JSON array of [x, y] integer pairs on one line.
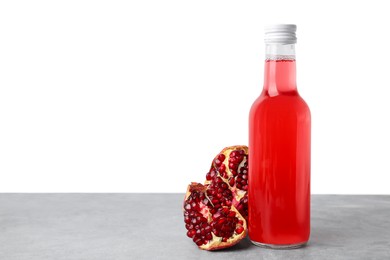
[[242, 245]]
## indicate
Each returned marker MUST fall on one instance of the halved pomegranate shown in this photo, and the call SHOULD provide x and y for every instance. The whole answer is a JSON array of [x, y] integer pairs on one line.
[[215, 213], [231, 164], [212, 223]]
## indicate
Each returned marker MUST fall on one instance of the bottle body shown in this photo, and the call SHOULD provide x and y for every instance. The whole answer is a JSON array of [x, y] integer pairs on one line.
[[279, 160]]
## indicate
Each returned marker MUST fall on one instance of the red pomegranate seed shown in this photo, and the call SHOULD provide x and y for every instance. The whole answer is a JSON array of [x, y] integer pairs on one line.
[[191, 233], [232, 214], [217, 162], [198, 241], [239, 229], [221, 157]]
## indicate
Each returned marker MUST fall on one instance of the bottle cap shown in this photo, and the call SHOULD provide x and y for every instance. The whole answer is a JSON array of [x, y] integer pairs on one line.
[[280, 34]]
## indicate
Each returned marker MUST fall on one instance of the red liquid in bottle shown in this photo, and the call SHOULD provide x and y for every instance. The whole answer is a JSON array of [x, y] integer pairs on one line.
[[279, 160]]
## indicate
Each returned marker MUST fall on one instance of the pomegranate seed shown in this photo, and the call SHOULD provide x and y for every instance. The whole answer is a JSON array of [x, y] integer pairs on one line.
[[240, 222], [209, 236], [231, 182], [221, 157], [217, 162], [198, 241], [225, 228], [245, 187], [190, 233], [239, 229], [232, 214], [187, 220], [221, 221]]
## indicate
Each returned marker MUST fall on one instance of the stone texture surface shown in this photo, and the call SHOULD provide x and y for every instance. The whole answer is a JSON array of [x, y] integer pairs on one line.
[[150, 226]]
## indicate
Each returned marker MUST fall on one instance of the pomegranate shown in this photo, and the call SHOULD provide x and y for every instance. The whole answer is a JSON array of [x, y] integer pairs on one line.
[[231, 164], [215, 213], [210, 223]]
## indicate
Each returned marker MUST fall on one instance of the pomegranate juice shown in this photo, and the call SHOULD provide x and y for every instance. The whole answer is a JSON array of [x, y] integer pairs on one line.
[[279, 160]]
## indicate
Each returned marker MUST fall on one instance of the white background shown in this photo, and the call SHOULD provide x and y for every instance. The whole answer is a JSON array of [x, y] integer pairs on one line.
[[139, 96]]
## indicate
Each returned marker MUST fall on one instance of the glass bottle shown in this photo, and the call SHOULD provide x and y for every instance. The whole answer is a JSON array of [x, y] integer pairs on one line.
[[279, 150]]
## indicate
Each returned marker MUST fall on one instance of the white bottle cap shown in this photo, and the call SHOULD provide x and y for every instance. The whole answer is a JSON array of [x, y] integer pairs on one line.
[[280, 34]]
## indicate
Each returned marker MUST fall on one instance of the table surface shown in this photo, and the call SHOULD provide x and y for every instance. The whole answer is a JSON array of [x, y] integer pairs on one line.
[[150, 226]]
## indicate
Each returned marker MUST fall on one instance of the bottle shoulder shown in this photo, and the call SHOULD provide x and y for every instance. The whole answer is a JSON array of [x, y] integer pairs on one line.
[[286, 102]]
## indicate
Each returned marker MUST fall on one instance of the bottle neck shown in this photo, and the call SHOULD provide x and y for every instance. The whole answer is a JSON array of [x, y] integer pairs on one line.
[[280, 69]]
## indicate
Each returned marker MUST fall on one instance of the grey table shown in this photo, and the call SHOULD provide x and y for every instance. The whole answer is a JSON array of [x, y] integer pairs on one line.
[[150, 226]]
